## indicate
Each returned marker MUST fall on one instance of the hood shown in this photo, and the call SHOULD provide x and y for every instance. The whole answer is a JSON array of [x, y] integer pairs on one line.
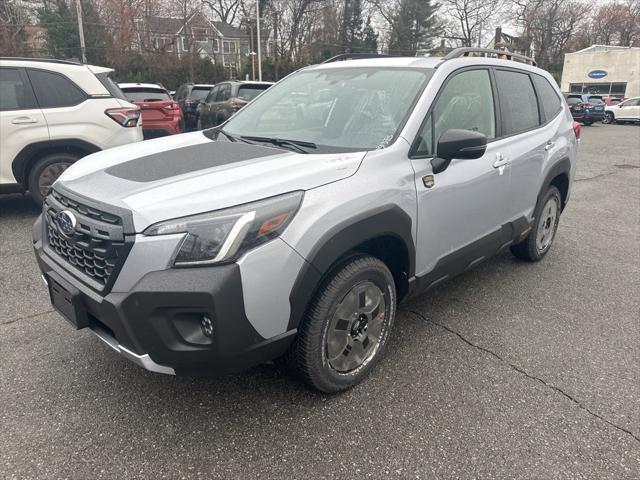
[[186, 174]]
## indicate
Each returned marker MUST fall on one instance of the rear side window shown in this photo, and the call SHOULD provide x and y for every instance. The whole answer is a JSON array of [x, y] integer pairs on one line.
[[518, 103], [15, 93], [110, 85], [249, 92], [551, 103], [465, 102], [54, 90], [224, 93]]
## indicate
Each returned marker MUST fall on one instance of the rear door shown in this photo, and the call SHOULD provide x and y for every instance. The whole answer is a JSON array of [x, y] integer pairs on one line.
[[21, 120], [526, 141], [219, 109], [461, 210], [205, 112]]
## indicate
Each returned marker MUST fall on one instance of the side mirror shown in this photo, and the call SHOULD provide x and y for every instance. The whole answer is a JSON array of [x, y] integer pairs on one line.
[[460, 144]]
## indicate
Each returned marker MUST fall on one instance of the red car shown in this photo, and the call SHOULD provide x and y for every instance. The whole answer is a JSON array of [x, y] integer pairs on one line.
[[160, 114]]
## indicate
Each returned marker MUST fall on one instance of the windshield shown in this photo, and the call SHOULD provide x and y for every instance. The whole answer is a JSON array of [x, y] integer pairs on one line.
[[340, 109], [146, 94], [199, 93], [249, 92]]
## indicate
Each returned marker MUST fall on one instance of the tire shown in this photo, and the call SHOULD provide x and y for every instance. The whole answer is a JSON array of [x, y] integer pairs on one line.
[[46, 171], [608, 118], [588, 123], [335, 351], [544, 228]]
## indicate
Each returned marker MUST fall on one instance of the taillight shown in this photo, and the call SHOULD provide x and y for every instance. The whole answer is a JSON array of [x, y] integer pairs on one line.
[[127, 117], [172, 106], [576, 130]]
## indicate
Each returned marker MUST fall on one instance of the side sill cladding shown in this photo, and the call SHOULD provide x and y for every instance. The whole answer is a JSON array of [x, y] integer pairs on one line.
[[387, 221]]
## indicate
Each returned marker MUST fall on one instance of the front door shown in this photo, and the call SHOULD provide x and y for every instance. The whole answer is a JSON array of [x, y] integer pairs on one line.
[[461, 210], [21, 120]]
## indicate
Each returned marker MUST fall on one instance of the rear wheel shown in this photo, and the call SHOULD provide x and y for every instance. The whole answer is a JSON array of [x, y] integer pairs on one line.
[[543, 231], [45, 172], [347, 326], [608, 118]]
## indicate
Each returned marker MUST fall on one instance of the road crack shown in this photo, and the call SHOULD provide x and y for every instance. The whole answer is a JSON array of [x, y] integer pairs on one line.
[[595, 177], [27, 317], [528, 375]]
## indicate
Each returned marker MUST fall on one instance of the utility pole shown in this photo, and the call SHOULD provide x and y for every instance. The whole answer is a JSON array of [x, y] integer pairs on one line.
[[81, 31], [258, 36]]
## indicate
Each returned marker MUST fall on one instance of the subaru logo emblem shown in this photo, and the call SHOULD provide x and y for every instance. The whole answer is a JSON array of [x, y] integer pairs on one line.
[[66, 222]]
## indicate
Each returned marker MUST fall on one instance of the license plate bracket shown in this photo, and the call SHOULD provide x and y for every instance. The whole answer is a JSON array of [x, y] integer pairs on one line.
[[66, 299]]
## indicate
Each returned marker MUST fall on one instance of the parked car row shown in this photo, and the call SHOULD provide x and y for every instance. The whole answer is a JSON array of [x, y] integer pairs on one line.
[[587, 109]]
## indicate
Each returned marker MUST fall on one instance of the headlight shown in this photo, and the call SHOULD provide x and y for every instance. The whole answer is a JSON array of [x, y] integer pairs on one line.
[[222, 236]]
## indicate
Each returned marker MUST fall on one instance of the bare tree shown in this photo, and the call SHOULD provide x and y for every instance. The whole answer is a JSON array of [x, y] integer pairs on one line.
[[468, 18], [225, 10], [551, 25]]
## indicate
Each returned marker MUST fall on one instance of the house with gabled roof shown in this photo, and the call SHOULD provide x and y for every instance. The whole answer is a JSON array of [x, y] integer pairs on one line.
[[219, 42]]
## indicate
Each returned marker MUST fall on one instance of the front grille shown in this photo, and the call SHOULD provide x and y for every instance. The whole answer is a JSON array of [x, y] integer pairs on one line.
[[97, 248]]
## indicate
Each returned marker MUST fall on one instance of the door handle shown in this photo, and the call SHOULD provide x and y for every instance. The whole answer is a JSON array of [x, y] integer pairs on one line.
[[24, 120], [549, 145], [501, 161]]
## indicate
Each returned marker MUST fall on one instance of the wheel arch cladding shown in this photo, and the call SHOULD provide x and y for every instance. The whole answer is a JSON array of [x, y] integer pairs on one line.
[[558, 176], [385, 233], [30, 154]]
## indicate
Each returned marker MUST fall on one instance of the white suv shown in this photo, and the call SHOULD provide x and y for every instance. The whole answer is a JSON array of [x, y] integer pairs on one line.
[[54, 112]]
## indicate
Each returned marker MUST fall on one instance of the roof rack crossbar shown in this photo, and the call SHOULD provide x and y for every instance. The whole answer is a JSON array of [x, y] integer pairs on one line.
[[487, 52], [355, 56]]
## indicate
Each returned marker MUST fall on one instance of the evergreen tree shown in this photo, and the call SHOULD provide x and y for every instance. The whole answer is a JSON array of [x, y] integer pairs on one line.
[[369, 40], [413, 27], [61, 31]]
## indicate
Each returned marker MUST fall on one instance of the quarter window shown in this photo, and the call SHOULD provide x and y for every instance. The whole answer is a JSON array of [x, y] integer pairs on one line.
[[465, 102], [518, 103], [551, 103], [15, 93], [54, 90]]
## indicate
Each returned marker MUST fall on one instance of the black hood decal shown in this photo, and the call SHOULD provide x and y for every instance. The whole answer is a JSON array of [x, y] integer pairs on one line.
[[160, 166]]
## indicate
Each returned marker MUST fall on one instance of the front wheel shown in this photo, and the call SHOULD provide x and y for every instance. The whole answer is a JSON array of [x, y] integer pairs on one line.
[[347, 326], [608, 118], [543, 231]]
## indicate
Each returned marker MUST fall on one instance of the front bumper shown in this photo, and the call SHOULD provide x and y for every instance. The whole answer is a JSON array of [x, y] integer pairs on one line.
[[157, 324]]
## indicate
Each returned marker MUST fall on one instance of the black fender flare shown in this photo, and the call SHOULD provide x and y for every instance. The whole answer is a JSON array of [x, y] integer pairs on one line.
[[386, 221], [21, 164], [561, 167]]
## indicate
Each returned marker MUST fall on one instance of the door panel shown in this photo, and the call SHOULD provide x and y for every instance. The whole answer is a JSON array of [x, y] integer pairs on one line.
[[467, 201], [21, 121]]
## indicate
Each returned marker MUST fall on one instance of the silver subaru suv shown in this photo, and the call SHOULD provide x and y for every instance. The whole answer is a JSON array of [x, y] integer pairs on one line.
[[294, 229]]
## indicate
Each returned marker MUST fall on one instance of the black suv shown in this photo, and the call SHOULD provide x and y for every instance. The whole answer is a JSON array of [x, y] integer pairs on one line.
[[585, 108], [189, 96]]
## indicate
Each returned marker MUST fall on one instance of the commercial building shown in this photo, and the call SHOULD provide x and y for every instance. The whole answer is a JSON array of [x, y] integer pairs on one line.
[[604, 70]]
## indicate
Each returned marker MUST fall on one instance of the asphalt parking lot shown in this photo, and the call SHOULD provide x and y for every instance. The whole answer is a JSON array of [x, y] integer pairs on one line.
[[512, 370]]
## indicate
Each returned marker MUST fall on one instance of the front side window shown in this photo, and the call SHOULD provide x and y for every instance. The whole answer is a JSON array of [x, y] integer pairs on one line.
[[54, 90], [200, 93], [15, 93], [224, 93], [551, 103], [465, 102], [518, 103], [338, 109], [211, 97]]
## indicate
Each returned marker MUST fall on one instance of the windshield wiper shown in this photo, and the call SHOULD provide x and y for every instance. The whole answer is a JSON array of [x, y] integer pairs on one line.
[[297, 145]]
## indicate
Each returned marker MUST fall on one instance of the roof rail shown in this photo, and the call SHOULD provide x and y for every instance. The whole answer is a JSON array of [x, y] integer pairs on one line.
[[46, 60], [355, 56], [490, 53]]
